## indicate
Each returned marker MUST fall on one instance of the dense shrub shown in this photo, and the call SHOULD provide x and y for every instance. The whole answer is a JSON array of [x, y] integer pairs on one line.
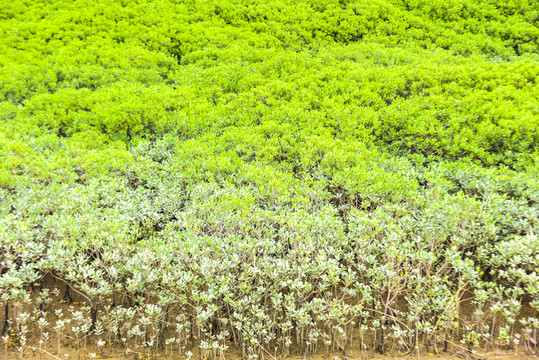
[[284, 176]]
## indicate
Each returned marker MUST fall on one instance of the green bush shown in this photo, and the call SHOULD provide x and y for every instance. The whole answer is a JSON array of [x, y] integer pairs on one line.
[[284, 177]]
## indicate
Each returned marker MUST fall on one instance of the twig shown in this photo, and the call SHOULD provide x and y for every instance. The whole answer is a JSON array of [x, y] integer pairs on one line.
[[46, 352]]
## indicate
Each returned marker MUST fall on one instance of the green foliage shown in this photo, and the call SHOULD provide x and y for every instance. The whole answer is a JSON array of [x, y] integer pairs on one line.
[[283, 175]]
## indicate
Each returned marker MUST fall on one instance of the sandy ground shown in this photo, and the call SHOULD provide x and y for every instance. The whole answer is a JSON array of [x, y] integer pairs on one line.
[[116, 353]]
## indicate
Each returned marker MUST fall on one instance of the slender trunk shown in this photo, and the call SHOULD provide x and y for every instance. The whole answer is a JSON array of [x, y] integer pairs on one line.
[[161, 336], [381, 346], [6, 322], [42, 305], [67, 296], [93, 313]]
